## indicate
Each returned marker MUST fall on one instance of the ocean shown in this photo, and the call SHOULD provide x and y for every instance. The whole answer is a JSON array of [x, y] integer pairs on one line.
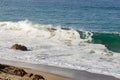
[[76, 34]]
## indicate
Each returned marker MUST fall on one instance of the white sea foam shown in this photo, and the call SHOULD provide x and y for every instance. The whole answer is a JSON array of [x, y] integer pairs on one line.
[[52, 45]]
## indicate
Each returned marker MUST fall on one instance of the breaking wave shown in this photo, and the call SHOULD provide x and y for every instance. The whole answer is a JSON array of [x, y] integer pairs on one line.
[[57, 46]]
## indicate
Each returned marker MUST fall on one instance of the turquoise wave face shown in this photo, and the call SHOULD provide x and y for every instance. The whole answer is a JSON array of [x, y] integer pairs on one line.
[[110, 40]]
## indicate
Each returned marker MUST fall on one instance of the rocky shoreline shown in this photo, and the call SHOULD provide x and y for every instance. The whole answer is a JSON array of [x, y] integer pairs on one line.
[[8, 72], [15, 73], [47, 72]]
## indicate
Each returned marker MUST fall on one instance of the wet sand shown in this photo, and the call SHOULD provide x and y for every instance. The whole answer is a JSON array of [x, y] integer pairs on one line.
[[8, 72], [56, 73]]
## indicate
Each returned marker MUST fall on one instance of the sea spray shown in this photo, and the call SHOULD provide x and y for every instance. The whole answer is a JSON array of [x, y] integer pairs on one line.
[[52, 45]]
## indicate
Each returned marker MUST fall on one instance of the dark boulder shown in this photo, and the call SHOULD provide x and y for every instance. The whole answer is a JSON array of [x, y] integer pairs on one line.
[[19, 72], [38, 77], [19, 47], [29, 75], [3, 66], [14, 71]]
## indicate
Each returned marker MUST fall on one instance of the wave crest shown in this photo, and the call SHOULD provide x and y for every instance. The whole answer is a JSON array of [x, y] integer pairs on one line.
[[39, 31]]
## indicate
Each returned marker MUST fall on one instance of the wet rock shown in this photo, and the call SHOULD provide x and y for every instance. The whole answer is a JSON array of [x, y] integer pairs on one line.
[[3, 66], [29, 75], [19, 72], [37, 77], [19, 47], [14, 71]]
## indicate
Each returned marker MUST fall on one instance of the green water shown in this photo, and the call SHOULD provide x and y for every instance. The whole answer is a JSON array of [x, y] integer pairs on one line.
[[111, 41]]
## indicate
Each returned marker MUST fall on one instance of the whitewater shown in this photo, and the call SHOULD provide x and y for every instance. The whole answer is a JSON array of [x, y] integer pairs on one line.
[[52, 45]]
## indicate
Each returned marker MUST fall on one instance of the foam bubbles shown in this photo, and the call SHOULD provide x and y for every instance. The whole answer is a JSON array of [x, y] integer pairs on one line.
[[52, 45]]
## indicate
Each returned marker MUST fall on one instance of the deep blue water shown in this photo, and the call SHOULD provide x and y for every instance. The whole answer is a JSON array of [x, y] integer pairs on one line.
[[98, 16], [93, 15]]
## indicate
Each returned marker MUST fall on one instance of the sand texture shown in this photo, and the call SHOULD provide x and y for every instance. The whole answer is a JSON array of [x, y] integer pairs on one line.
[[14, 73]]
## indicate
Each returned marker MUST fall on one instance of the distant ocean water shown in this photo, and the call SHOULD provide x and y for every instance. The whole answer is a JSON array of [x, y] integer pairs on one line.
[[77, 34], [101, 16]]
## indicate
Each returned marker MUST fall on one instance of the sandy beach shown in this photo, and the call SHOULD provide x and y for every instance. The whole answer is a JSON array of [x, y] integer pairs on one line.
[[48, 72], [8, 72]]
